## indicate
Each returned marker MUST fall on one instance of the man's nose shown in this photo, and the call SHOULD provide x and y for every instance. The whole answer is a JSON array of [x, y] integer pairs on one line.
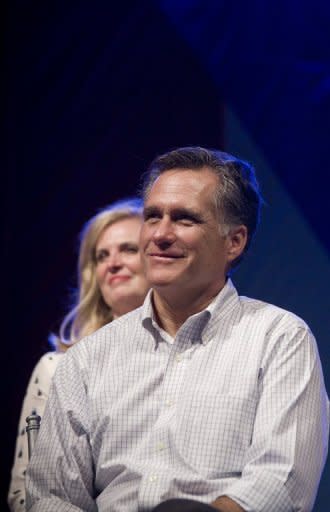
[[164, 232]]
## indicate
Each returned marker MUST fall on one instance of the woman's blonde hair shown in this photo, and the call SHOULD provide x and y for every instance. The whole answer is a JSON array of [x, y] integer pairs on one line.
[[89, 311]]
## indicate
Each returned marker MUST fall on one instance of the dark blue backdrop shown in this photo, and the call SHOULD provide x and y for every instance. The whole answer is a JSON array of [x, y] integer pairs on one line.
[[94, 91]]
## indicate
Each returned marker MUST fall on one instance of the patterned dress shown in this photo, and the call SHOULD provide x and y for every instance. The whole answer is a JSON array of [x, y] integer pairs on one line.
[[34, 403]]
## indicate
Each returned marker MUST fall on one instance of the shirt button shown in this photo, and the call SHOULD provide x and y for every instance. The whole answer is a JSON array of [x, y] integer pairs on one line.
[[153, 478], [178, 358], [160, 446], [169, 403]]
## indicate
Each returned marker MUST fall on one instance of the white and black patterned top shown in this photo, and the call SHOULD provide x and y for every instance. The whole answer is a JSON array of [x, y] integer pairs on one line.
[[34, 403], [235, 404]]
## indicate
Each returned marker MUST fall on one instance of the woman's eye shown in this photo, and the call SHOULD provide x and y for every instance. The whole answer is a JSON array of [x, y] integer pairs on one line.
[[101, 256], [132, 249]]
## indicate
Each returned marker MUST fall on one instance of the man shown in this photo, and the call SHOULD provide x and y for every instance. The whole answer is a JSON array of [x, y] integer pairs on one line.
[[200, 399]]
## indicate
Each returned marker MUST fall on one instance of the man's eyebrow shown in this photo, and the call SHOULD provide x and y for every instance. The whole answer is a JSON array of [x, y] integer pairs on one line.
[[150, 210], [175, 213], [186, 211]]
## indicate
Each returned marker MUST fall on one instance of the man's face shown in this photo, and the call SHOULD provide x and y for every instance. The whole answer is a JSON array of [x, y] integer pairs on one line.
[[182, 247]]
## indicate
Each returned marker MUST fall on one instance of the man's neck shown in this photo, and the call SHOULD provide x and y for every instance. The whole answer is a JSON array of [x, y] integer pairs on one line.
[[171, 313]]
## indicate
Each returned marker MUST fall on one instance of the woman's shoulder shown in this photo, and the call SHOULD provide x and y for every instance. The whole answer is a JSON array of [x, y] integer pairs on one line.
[[47, 363]]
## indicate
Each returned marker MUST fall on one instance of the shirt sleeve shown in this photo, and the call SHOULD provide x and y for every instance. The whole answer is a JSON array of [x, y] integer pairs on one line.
[[60, 474], [34, 403], [289, 445]]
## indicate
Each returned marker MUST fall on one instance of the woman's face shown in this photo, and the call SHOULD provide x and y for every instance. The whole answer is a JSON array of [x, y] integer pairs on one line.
[[118, 266]]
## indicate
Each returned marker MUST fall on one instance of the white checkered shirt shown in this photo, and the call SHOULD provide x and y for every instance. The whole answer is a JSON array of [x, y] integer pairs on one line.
[[234, 405]]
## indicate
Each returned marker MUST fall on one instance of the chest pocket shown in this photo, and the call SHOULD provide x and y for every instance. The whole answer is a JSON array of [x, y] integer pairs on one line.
[[214, 433]]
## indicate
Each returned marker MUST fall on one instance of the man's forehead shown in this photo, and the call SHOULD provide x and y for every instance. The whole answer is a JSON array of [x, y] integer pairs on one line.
[[182, 180], [181, 190]]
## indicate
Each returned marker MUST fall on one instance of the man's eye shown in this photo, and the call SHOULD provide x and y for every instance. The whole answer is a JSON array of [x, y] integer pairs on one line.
[[152, 217], [186, 220]]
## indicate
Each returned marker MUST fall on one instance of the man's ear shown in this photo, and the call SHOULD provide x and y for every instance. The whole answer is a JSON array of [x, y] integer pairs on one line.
[[237, 240]]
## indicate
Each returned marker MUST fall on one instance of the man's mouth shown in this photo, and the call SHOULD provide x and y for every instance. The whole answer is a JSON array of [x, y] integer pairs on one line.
[[166, 255]]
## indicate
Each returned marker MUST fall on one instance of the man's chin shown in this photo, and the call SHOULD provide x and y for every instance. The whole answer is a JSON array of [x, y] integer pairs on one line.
[[163, 283], [164, 278]]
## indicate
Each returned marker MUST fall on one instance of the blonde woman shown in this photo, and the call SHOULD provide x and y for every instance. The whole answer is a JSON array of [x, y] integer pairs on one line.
[[111, 283]]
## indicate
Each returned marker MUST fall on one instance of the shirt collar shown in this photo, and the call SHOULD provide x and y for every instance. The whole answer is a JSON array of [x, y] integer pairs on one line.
[[203, 325], [223, 304]]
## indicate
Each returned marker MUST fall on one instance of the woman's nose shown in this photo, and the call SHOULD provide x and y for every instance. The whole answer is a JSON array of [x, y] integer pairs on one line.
[[114, 262]]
